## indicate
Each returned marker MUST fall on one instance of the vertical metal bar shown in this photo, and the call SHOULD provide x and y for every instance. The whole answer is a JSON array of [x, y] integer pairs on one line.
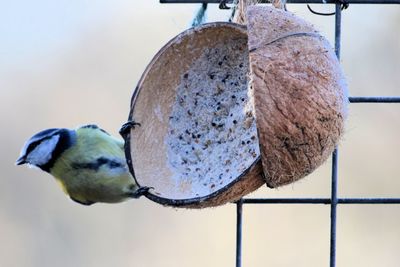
[[334, 201], [239, 209], [338, 29]]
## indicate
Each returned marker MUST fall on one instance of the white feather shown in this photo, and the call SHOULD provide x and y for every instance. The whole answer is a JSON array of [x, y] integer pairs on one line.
[[42, 153]]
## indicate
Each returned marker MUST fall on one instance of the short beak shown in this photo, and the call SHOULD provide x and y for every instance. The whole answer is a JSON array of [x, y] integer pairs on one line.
[[20, 161]]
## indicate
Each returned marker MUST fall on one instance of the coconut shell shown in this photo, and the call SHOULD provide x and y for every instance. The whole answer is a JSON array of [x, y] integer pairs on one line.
[[153, 103], [271, 97], [299, 94]]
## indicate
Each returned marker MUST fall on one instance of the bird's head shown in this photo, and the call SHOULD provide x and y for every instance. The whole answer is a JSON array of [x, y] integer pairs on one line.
[[44, 148]]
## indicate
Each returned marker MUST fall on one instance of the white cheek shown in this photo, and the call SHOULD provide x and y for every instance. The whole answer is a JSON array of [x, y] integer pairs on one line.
[[30, 166], [42, 153]]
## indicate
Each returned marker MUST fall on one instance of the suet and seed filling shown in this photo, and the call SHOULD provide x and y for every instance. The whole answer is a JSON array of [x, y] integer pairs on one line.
[[212, 135]]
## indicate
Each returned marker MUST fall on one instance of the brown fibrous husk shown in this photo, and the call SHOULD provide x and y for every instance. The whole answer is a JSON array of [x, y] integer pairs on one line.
[[299, 94], [240, 15]]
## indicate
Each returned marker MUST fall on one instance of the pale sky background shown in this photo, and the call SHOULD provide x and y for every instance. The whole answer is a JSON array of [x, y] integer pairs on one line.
[[67, 63]]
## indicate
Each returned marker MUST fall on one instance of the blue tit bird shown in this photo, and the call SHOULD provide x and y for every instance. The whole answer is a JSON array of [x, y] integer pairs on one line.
[[88, 163]]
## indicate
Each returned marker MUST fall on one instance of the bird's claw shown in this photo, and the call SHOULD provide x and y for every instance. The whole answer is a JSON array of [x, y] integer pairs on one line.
[[141, 191], [126, 127]]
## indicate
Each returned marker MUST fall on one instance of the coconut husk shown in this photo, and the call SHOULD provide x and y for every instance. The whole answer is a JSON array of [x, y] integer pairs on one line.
[[240, 15], [299, 94]]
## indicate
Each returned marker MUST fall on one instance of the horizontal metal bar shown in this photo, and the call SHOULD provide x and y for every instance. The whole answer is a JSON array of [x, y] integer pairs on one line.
[[375, 99], [320, 201], [288, 1], [369, 201], [286, 201]]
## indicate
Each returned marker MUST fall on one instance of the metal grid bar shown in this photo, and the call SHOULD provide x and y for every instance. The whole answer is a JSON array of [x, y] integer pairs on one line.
[[239, 217], [326, 201], [333, 201], [332, 260], [288, 1], [376, 99]]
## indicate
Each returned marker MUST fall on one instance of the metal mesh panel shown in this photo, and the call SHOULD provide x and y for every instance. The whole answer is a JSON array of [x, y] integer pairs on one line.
[[333, 201]]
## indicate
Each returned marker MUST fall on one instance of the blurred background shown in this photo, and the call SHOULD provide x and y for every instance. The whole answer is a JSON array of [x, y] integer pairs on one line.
[[67, 63]]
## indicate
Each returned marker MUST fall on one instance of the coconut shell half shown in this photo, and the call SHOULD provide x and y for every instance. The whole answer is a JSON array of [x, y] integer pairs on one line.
[[299, 94], [197, 143]]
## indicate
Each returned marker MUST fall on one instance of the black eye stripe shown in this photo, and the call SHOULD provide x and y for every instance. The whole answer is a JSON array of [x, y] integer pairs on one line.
[[65, 141], [35, 144], [35, 140]]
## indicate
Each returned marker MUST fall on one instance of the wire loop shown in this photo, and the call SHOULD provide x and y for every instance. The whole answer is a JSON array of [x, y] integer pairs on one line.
[[344, 5], [222, 4]]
